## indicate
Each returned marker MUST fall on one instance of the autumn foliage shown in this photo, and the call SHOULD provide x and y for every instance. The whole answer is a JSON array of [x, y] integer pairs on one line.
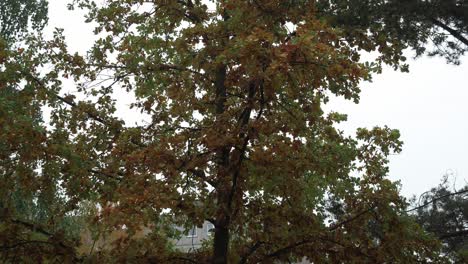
[[231, 131]]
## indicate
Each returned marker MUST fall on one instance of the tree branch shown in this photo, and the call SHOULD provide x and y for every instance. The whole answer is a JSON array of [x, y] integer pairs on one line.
[[346, 221], [436, 199], [252, 250], [156, 67], [288, 248], [454, 234], [36, 228], [244, 121], [65, 100], [108, 175], [452, 31]]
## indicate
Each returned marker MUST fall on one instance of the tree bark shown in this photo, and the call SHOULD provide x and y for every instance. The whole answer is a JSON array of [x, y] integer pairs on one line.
[[221, 245], [221, 234]]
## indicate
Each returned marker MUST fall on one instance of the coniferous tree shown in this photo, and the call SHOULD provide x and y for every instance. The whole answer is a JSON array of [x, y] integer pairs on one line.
[[443, 211]]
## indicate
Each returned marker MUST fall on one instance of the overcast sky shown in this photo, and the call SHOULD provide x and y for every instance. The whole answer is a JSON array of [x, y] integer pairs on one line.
[[428, 105]]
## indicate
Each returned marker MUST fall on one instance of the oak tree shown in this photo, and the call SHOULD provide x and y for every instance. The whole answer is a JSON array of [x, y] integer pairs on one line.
[[231, 131]]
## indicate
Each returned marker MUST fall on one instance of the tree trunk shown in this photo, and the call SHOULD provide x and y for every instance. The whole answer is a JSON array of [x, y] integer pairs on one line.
[[222, 221], [221, 245], [221, 235]]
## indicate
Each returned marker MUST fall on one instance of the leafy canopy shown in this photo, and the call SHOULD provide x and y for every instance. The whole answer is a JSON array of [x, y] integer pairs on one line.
[[17, 16], [232, 131], [437, 27]]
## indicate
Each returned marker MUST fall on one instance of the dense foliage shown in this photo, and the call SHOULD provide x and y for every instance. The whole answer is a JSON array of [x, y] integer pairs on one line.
[[231, 131], [17, 16], [443, 211], [437, 27]]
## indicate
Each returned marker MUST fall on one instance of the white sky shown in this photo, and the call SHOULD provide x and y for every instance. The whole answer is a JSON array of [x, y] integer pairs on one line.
[[428, 105]]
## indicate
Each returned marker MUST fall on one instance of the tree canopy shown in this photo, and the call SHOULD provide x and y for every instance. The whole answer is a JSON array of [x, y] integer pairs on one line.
[[438, 27], [17, 16], [231, 131], [443, 211]]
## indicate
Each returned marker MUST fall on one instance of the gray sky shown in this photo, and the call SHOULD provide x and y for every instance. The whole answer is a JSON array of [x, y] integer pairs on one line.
[[428, 105]]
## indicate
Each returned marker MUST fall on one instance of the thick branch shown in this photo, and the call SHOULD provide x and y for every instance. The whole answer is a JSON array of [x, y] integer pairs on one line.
[[90, 114], [346, 221], [240, 152], [23, 243], [460, 233], [288, 248], [249, 253], [108, 175], [36, 228], [292, 246], [32, 227], [452, 31]]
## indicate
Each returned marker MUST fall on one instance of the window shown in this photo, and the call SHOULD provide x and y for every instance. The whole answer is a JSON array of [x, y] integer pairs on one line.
[[209, 229], [192, 232]]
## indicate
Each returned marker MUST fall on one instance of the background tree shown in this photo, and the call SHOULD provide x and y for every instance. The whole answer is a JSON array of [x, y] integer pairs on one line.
[[439, 27], [31, 226], [232, 132], [443, 211], [17, 16]]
